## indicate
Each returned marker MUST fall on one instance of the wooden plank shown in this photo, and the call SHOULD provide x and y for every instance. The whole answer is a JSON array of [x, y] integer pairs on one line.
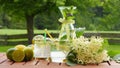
[[107, 35], [114, 41], [3, 43], [17, 42], [110, 35], [3, 39], [5, 66], [18, 63], [42, 63], [55, 65], [5, 63], [102, 65], [33, 62], [18, 36], [81, 66], [3, 58], [3, 36], [17, 66], [13, 42], [2, 54]]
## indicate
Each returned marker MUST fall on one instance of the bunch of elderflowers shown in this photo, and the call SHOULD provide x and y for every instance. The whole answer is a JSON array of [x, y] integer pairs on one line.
[[88, 51]]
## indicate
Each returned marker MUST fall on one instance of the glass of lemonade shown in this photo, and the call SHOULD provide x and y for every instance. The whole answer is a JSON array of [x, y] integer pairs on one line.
[[60, 50], [41, 48]]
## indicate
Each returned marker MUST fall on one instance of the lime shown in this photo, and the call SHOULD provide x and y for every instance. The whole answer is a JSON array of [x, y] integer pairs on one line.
[[9, 53], [32, 46], [18, 55], [28, 53]]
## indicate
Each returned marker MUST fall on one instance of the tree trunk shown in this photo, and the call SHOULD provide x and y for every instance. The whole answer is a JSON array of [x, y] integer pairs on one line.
[[30, 32]]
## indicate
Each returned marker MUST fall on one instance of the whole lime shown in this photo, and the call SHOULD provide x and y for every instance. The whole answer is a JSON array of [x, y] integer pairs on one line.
[[31, 45], [28, 53]]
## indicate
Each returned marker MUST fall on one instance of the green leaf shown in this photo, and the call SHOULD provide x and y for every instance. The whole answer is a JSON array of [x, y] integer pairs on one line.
[[72, 56], [70, 63], [79, 33]]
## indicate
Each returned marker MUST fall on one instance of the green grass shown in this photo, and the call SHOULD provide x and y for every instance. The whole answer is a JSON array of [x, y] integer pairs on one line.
[[20, 31], [12, 31], [4, 48], [114, 47], [113, 50]]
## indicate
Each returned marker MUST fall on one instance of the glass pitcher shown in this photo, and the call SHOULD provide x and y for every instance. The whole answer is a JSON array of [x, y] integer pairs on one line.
[[67, 29]]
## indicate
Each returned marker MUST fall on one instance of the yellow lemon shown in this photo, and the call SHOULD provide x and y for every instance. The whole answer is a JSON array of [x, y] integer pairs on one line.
[[20, 47]]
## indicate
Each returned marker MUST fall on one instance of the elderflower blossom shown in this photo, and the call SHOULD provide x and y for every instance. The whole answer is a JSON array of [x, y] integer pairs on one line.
[[89, 50]]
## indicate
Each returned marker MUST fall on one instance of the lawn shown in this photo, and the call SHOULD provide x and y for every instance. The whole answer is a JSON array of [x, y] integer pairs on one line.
[[20, 31], [114, 47], [4, 48]]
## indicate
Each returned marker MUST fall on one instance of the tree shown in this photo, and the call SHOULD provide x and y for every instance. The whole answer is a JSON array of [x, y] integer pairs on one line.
[[29, 9], [101, 13], [48, 20]]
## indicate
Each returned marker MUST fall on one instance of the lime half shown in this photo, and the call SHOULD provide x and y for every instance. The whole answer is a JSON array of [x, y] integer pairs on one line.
[[9, 53], [18, 55]]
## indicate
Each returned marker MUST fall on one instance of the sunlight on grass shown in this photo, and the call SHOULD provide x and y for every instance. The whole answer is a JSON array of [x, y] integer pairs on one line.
[[113, 50], [20, 31], [12, 31], [114, 47]]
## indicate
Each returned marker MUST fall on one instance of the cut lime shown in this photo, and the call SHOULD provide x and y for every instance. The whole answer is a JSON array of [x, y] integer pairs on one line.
[[18, 55], [9, 53]]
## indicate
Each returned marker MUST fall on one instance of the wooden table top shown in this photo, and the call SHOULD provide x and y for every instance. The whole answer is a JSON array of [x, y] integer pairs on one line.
[[6, 63]]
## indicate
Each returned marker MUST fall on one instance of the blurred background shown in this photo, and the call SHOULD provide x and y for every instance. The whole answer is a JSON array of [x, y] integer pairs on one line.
[[102, 15], [20, 20]]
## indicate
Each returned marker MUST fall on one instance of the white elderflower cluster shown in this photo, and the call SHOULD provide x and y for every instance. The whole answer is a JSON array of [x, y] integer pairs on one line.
[[90, 50]]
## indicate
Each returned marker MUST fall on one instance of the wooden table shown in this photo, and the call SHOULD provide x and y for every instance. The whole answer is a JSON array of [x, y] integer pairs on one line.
[[5, 63]]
